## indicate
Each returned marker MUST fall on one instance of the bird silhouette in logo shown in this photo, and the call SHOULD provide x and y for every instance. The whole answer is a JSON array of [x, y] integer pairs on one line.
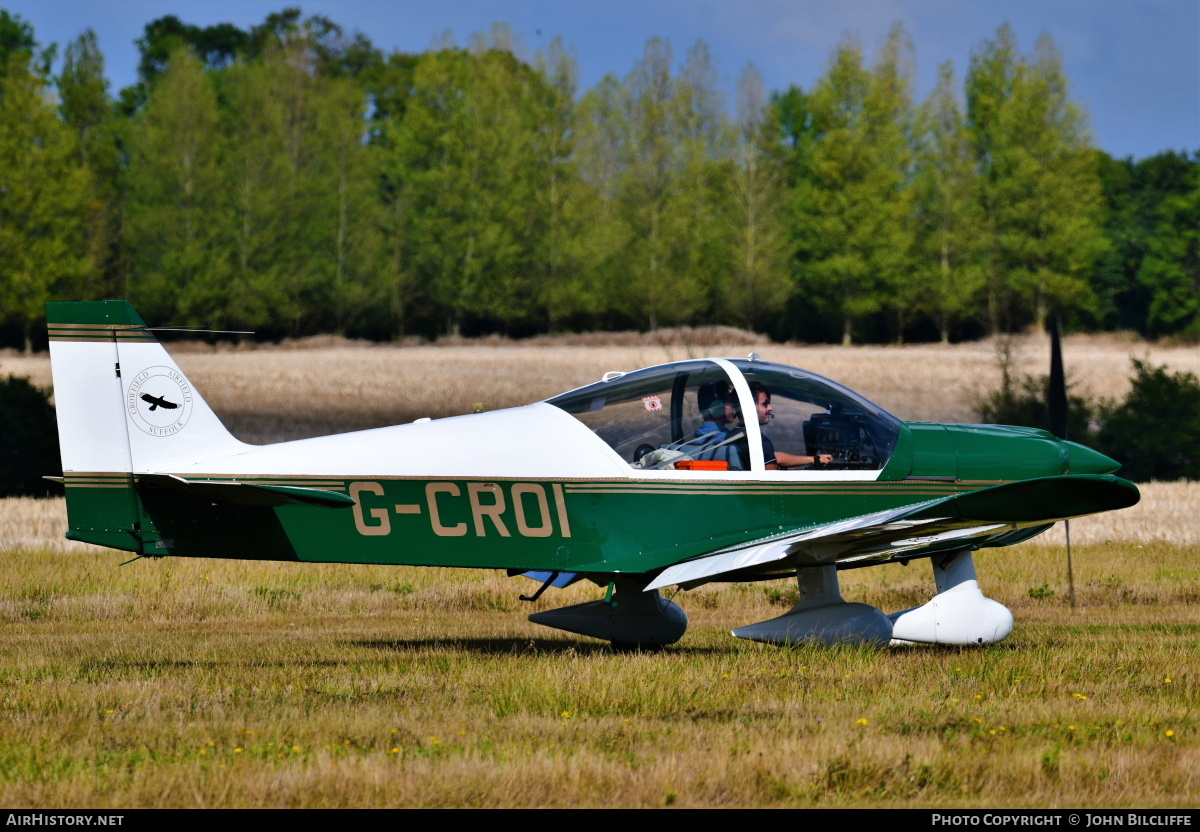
[[158, 401]]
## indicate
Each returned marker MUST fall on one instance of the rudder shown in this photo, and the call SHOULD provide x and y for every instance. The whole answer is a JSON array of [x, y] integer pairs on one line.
[[123, 407]]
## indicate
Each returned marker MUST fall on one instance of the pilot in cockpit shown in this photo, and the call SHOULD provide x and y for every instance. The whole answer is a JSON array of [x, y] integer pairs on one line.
[[773, 459]]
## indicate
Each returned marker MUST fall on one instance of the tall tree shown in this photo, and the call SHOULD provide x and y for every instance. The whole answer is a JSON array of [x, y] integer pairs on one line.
[[43, 253], [1051, 207], [303, 191], [605, 237], [1134, 193], [669, 138], [697, 208], [16, 37], [467, 144], [851, 207], [352, 237], [948, 217], [1171, 270], [989, 89], [264, 183], [889, 114], [85, 106], [565, 288], [1041, 191], [647, 178], [178, 228], [759, 280]]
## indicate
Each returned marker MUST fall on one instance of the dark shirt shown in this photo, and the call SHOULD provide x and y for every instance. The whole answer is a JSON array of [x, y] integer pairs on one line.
[[768, 451]]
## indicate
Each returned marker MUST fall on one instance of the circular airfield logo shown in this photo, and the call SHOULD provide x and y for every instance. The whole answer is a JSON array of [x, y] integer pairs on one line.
[[159, 401]]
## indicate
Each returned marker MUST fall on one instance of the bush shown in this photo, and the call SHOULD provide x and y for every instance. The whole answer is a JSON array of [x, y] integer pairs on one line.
[[1155, 432], [29, 445], [1025, 402]]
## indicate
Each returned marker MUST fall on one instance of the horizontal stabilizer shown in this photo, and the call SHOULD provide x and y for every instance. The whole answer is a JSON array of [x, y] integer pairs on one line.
[[248, 494], [931, 526]]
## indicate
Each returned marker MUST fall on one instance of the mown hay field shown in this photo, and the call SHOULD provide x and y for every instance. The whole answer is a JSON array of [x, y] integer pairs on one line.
[[206, 683], [325, 385]]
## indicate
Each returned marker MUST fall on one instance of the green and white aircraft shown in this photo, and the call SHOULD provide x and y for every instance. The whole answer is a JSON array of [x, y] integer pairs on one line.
[[642, 480]]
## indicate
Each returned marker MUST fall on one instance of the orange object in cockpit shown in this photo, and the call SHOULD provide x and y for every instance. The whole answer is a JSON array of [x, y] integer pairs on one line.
[[702, 465]]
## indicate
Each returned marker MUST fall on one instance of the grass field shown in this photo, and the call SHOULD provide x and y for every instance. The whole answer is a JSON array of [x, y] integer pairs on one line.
[[205, 683]]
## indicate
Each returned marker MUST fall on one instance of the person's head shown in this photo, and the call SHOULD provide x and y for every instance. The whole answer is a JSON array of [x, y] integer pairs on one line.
[[762, 401], [717, 402]]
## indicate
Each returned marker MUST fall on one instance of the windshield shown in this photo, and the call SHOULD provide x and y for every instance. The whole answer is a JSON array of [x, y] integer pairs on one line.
[[809, 415], [688, 416]]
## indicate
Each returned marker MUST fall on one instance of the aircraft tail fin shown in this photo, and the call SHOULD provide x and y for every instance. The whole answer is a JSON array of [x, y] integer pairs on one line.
[[123, 404], [124, 407]]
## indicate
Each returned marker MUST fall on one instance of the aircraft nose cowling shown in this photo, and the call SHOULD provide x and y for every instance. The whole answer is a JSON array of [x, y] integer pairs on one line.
[[1005, 452], [1083, 460]]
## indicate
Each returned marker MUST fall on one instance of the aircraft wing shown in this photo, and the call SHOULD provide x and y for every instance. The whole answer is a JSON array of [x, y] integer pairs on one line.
[[932, 525]]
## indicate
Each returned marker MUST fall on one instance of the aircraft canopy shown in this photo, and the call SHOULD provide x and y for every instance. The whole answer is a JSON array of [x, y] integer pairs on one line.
[[688, 416]]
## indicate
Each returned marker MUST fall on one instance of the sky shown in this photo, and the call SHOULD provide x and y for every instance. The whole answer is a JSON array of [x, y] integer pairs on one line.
[[1133, 66]]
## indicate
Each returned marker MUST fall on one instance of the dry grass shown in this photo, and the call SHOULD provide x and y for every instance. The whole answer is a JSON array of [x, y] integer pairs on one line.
[[326, 385], [208, 683]]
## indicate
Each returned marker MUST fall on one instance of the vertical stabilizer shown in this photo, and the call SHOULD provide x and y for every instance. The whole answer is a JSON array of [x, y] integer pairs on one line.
[[123, 403], [124, 408]]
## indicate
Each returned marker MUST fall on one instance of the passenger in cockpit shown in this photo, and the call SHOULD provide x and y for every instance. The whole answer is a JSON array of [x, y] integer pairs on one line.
[[717, 407], [773, 459], [718, 435]]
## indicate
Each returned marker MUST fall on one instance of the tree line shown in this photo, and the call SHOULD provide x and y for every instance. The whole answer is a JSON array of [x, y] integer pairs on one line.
[[293, 179]]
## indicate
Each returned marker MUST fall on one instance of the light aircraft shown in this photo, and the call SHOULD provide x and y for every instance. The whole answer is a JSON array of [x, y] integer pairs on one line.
[[640, 481]]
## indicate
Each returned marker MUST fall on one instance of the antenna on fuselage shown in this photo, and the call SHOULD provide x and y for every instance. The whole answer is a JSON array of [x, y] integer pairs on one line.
[[1057, 402]]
